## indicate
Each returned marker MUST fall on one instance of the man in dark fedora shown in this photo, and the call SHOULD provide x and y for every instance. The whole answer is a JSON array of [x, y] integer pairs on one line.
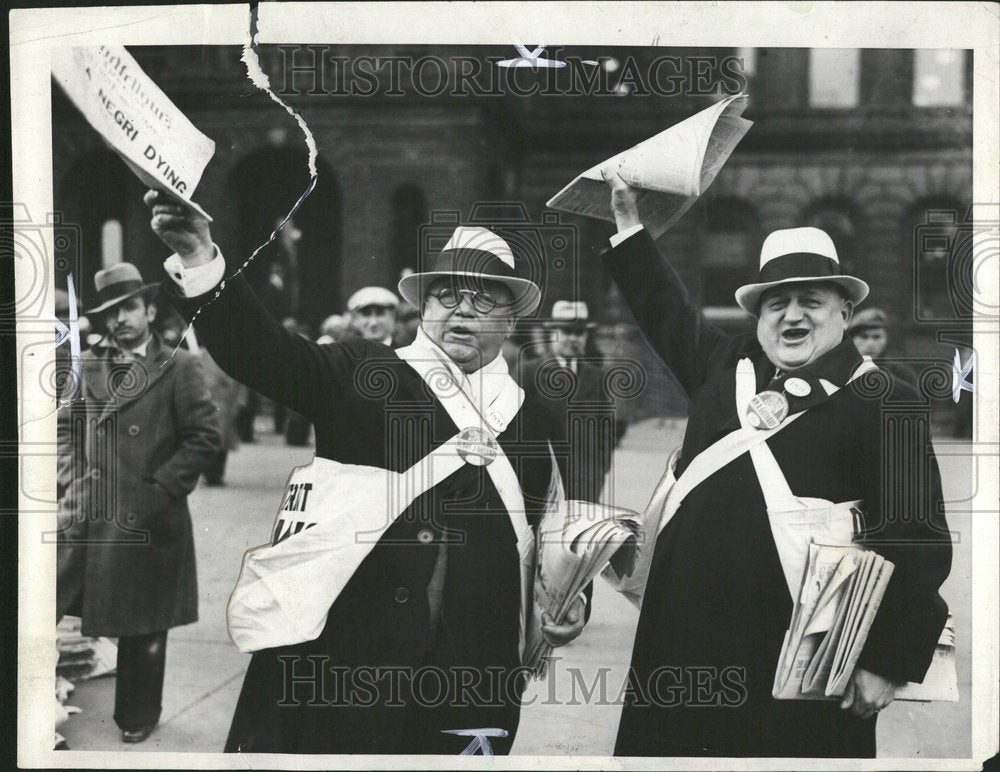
[[422, 642], [126, 561], [572, 384], [718, 598]]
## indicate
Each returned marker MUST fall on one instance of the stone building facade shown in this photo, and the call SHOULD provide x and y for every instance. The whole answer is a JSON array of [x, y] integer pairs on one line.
[[863, 144]]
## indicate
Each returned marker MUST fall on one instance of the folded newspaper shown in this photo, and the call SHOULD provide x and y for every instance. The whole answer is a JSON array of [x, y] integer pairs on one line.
[[670, 170], [576, 540], [135, 118], [840, 596]]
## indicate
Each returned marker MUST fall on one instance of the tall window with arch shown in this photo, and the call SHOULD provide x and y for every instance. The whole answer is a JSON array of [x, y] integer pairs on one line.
[[940, 251], [409, 212], [730, 245], [843, 224]]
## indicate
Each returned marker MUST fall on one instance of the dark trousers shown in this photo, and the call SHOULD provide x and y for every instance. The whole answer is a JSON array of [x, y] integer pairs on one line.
[[215, 471], [139, 683]]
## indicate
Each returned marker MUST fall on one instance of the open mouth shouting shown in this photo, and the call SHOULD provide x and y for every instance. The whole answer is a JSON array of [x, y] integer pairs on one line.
[[794, 335]]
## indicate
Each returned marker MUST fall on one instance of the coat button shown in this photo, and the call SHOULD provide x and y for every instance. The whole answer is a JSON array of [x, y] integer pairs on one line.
[[425, 536], [96, 474], [133, 430], [401, 595]]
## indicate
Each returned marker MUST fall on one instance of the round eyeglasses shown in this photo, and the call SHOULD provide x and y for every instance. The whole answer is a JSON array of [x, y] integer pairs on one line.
[[450, 297]]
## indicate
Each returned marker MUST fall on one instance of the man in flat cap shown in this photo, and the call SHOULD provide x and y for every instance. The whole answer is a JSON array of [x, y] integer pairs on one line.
[[869, 329], [126, 560], [573, 385], [423, 637], [724, 571], [373, 313]]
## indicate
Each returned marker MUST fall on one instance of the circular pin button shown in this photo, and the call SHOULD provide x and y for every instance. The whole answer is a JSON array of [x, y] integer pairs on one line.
[[767, 409], [797, 387], [401, 595], [133, 430], [476, 447], [425, 536]]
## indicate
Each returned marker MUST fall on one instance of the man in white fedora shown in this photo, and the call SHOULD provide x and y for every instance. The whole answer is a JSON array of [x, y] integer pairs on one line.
[[573, 385], [422, 644], [718, 597], [373, 313]]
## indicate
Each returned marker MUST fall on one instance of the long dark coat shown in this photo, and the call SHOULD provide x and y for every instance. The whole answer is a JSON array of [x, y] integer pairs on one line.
[[717, 605], [370, 408], [126, 559], [585, 415]]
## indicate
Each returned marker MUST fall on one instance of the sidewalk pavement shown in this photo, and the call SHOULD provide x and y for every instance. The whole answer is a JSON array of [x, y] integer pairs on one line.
[[205, 671]]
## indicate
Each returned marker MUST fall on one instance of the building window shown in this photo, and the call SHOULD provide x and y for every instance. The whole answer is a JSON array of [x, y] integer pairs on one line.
[[941, 251], [112, 249], [842, 226], [938, 78], [833, 77], [731, 242], [409, 212]]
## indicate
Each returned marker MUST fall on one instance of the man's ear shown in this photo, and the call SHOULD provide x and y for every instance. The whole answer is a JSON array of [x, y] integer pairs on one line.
[[150, 310], [847, 312]]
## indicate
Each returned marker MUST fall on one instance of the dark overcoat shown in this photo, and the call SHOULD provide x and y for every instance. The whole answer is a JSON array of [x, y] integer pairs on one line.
[[126, 560], [585, 420], [370, 408], [716, 604]]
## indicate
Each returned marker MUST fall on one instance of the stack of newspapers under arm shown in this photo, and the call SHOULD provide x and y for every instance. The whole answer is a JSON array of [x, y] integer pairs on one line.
[[576, 540], [840, 596]]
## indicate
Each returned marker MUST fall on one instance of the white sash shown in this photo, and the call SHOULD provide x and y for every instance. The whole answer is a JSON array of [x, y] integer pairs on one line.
[[459, 406], [330, 519], [795, 521]]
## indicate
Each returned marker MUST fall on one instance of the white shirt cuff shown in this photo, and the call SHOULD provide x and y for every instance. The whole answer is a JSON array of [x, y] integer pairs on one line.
[[619, 237], [198, 280]]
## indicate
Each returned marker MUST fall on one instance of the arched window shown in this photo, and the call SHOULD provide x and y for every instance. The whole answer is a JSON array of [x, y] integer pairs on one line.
[[112, 242], [298, 274], [940, 248], [843, 224], [409, 212], [730, 247]]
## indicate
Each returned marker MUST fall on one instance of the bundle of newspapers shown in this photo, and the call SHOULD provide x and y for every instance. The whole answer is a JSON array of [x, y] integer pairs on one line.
[[576, 540], [669, 170], [840, 596]]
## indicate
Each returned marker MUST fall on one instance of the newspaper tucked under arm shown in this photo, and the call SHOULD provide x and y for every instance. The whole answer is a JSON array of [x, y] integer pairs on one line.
[[670, 170], [576, 540], [840, 596]]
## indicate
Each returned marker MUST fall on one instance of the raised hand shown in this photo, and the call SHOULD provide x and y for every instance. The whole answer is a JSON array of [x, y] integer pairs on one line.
[[624, 200], [181, 228]]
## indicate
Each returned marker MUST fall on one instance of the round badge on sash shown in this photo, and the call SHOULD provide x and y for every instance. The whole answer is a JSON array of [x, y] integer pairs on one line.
[[476, 446], [798, 387], [767, 409]]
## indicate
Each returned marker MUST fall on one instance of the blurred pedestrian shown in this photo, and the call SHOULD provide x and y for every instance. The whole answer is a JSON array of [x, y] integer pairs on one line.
[[126, 560], [335, 328], [869, 329], [373, 313], [228, 396], [572, 384]]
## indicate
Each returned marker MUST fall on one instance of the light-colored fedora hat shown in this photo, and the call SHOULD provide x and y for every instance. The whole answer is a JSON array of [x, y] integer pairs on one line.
[[796, 255], [570, 313], [117, 283], [479, 254], [372, 296]]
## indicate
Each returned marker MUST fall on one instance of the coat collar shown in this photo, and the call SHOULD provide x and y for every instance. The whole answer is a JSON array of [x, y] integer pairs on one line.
[[120, 378], [835, 366]]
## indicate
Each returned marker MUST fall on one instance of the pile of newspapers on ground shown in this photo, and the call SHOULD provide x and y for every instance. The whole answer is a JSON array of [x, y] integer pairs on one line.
[[80, 658]]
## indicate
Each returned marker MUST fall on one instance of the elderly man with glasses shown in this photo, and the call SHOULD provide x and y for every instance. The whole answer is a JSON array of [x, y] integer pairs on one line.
[[424, 641]]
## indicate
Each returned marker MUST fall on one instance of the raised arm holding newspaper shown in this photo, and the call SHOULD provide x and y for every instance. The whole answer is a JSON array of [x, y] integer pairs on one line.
[[718, 597], [401, 560]]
